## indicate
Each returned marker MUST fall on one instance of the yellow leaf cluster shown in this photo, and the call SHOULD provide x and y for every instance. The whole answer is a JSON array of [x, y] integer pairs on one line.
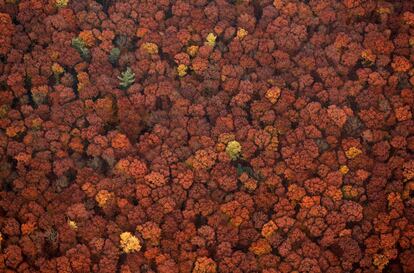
[[129, 243]]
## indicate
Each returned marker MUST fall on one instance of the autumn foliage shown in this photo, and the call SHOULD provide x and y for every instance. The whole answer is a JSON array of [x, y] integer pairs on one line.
[[223, 136]]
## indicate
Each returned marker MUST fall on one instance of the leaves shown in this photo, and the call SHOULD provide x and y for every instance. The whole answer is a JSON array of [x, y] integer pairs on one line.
[[114, 55], [245, 169], [127, 78], [80, 46]]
